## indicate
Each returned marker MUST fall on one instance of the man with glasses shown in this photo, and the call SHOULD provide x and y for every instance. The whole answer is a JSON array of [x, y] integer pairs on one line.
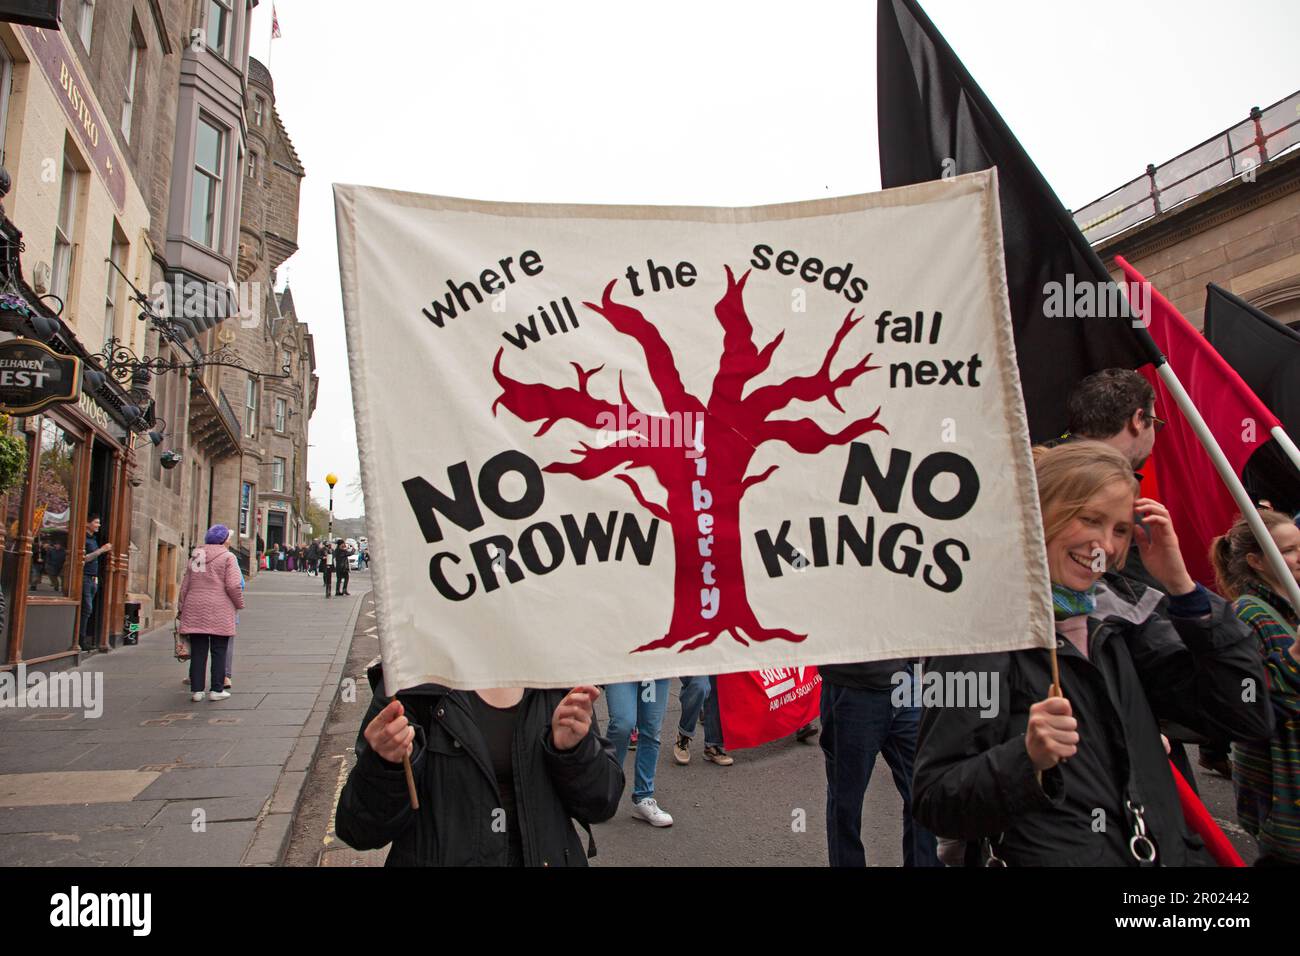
[[1116, 406]]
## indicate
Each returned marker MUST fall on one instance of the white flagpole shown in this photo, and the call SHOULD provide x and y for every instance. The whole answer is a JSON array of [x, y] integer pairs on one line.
[[1287, 445], [1271, 552]]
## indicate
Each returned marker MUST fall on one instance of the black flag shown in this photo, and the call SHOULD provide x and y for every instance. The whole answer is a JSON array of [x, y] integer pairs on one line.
[[933, 121], [1266, 354]]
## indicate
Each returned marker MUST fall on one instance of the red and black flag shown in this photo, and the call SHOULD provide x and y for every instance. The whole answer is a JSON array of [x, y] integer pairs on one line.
[[934, 121], [1200, 504], [1266, 354]]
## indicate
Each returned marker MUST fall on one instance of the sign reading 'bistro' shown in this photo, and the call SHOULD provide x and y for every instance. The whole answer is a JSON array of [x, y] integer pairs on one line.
[[33, 377]]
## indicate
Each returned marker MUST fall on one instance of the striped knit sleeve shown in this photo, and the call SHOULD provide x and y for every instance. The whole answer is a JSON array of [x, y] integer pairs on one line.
[[1270, 634]]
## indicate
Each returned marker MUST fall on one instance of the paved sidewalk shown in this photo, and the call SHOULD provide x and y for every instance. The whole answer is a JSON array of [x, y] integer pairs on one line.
[[157, 780]]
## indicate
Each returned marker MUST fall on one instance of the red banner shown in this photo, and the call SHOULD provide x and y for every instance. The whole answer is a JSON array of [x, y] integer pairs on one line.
[[760, 706]]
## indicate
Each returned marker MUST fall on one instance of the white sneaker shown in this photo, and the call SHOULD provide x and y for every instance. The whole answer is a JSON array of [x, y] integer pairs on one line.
[[197, 696], [649, 811], [219, 695]]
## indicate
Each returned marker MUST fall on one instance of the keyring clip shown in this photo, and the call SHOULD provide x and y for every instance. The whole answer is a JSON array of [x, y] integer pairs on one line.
[[1140, 845], [1142, 841]]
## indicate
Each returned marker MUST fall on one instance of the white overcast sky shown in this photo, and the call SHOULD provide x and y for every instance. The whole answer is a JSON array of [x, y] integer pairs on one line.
[[715, 103]]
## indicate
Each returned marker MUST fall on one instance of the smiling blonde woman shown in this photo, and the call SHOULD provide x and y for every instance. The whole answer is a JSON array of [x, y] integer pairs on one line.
[[1082, 779]]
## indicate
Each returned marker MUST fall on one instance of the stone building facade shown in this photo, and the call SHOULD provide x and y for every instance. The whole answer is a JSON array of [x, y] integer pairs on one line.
[[155, 191], [82, 106], [195, 205], [287, 405], [274, 407], [1239, 231]]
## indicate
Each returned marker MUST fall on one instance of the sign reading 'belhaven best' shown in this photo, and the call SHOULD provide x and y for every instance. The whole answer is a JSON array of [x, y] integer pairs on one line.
[[644, 442], [33, 377]]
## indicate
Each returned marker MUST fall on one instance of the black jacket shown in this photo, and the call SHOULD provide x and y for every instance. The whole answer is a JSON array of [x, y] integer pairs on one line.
[[973, 778], [872, 675], [340, 558], [458, 790]]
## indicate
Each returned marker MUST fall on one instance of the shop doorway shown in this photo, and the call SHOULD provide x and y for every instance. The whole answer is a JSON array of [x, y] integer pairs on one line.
[[275, 528]]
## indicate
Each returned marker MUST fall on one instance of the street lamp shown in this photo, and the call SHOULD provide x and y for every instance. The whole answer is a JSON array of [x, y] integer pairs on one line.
[[331, 479]]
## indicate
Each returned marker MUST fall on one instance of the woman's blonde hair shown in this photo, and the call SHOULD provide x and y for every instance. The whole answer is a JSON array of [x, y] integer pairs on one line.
[[1228, 553], [1070, 475]]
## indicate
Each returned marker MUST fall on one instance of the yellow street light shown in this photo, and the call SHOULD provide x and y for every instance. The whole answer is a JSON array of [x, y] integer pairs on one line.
[[331, 479]]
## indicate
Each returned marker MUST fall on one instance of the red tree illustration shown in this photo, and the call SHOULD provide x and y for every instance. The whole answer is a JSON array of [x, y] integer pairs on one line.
[[734, 428]]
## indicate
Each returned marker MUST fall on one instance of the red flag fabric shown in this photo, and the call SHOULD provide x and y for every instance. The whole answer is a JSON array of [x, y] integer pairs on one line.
[[275, 23], [1200, 821], [760, 706], [1151, 479], [1196, 497]]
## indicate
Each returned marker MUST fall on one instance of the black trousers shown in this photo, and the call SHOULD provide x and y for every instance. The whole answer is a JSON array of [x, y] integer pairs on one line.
[[200, 644], [326, 573], [342, 581]]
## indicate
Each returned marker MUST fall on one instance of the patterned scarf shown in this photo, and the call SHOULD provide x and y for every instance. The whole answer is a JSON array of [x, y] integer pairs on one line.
[[1067, 602]]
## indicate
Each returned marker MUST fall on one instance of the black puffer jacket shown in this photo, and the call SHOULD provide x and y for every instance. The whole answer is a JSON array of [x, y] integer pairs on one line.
[[458, 790], [973, 777]]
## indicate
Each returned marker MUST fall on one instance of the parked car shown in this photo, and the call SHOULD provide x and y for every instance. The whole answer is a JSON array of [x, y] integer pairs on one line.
[[353, 552]]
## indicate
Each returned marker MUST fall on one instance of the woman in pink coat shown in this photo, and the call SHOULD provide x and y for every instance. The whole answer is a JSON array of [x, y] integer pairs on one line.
[[210, 596]]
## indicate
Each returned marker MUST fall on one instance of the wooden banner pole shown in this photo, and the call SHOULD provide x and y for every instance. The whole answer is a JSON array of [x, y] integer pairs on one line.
[[410, 783]]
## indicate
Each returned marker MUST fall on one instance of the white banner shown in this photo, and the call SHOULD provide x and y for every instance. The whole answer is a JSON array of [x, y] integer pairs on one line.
[[607, 443]]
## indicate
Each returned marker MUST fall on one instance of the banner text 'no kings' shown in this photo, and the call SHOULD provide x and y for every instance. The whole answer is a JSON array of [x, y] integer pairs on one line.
[[899, 547]]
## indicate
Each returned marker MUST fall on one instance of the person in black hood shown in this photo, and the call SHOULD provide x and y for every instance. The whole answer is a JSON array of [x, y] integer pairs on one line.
[[1083, 779], [342, 570], [326, 567], [501, 775]]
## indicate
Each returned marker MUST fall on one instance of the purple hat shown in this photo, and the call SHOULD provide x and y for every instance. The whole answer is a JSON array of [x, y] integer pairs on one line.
[[217, 534]]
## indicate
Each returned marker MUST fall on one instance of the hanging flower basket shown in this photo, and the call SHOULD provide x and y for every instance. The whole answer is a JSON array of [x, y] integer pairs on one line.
[[13, 457], [14, 312]]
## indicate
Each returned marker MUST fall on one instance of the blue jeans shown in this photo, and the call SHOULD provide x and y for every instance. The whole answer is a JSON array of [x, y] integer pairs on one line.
[[199, 646], [857, 725], [699, 694], [89, 588], [628, 707]]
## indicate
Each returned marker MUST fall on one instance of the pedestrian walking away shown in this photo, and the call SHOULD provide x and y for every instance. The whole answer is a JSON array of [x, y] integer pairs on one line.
[[210, 597], [699, 697], [501, 776]]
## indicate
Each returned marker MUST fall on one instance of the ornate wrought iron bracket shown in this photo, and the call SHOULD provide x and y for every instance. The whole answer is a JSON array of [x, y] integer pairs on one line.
[[119, 361]]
